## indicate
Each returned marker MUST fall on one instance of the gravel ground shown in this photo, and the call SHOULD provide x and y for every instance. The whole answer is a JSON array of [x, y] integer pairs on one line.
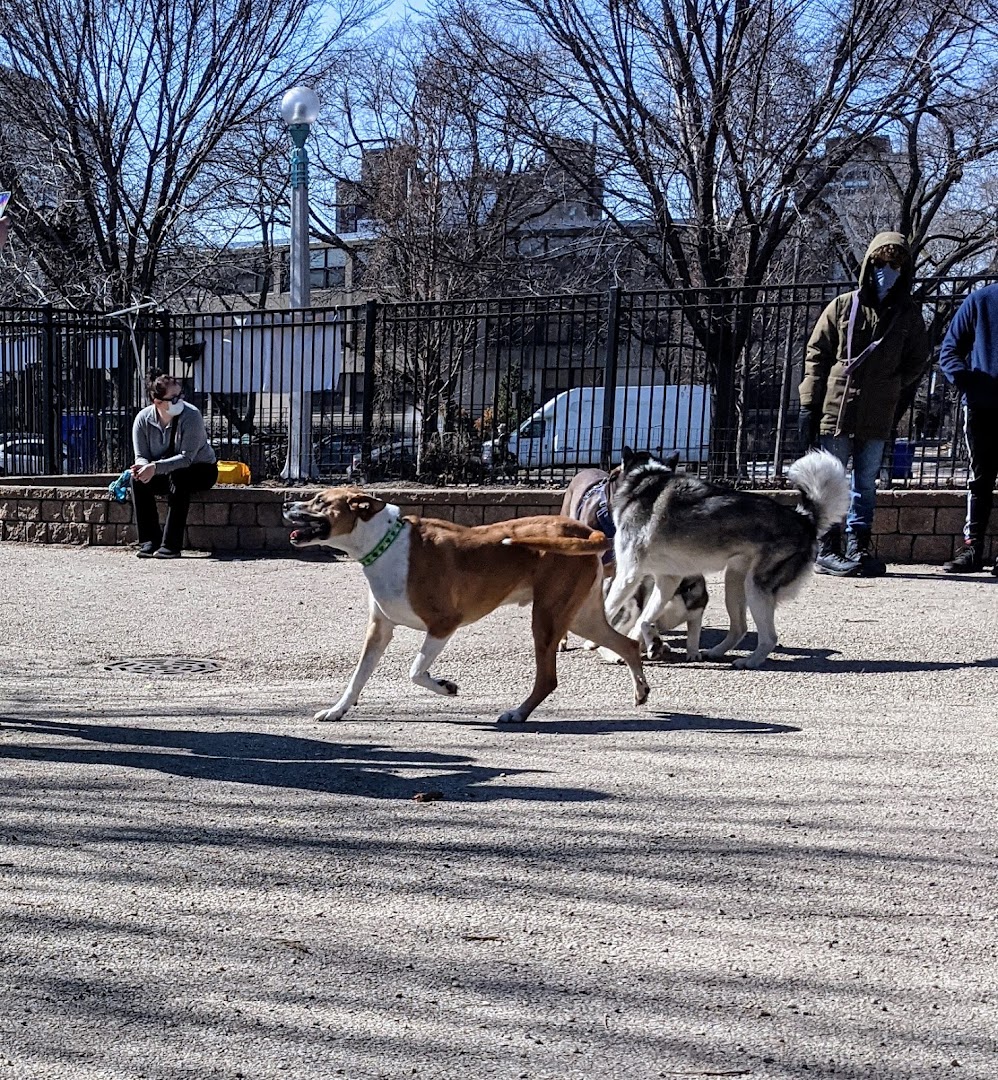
[[772, 874]]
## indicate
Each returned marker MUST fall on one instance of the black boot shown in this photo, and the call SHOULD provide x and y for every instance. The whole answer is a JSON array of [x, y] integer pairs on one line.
[[860, 550], [830, 559], [968, 560]]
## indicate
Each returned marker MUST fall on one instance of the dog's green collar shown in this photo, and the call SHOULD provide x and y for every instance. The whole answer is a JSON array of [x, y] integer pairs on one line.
[[384, 543]]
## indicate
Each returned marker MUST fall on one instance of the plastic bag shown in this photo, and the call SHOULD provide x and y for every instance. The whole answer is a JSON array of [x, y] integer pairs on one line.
[[121, 488]]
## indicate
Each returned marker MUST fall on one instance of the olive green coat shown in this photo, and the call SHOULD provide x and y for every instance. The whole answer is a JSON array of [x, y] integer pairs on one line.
[[877, 385]]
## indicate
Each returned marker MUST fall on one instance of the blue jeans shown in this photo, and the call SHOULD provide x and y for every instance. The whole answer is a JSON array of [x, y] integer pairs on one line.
[[867, 457]]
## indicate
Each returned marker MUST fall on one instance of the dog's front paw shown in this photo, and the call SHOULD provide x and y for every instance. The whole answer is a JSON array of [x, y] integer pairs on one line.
[[512, 716], [337, 712], [747, 663], [698, 655], [641, 693], [447, 687]]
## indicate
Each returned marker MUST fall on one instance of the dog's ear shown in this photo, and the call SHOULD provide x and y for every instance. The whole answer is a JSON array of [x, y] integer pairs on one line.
[[364, 506], [672, 461], [627, 458]]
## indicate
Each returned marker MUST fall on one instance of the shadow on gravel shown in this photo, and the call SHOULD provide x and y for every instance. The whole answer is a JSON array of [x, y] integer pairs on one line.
[[663, 722], [722, 725], [826, 663], [243, 757], [787, 658], [984, 577]]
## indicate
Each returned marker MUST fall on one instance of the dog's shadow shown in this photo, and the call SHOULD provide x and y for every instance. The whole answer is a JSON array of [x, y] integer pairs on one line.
[[279, 761], [830, 661], [662, 722]]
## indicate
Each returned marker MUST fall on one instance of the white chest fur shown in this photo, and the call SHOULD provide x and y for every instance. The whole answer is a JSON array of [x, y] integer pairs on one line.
[[388, 579]]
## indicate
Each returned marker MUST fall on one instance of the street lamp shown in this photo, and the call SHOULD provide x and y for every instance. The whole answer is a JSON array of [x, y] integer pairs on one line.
[[299, 108]]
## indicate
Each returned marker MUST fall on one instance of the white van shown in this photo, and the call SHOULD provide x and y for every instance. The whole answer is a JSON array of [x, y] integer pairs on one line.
[[568, 429]]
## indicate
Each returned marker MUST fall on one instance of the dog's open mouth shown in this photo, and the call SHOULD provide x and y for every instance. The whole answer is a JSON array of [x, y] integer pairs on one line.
[[307, 530]]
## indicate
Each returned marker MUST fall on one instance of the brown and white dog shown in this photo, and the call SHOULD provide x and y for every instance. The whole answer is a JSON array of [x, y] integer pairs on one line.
[[589, 499], [436, 576]]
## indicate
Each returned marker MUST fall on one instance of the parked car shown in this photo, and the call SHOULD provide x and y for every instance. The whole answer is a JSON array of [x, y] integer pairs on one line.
[[396, 461], [336, 453], [25, 456]]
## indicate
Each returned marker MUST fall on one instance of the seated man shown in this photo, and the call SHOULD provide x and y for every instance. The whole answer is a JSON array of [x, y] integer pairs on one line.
[[173, 458]]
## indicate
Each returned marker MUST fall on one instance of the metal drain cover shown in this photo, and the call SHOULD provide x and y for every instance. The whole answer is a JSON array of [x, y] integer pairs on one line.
[[163, 665]]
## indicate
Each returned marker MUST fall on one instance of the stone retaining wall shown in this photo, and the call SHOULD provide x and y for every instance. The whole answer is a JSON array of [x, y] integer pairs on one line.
[[910, 526]]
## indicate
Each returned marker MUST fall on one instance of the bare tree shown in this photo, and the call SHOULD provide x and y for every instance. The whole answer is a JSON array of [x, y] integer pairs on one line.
[[932, 175], [112, 157], [447, 187], [720, 122], [452, 208]]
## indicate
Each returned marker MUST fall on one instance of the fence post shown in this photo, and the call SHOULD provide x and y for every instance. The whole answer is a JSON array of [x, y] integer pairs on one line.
[[51, 406], [367, 409], [610, 376], [789, 365], [722, 344], [163, 341]]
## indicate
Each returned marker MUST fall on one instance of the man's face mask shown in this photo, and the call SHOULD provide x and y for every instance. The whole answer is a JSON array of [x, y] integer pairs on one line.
[[885, 276]]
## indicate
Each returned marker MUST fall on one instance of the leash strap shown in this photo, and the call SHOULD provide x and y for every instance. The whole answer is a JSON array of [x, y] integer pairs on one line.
[[383, 544], [853, 362]]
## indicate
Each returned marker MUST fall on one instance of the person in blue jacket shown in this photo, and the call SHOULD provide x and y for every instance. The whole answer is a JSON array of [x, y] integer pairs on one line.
[[969, 360]]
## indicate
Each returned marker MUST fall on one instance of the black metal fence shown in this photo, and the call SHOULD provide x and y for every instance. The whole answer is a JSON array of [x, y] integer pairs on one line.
[[511, 390]]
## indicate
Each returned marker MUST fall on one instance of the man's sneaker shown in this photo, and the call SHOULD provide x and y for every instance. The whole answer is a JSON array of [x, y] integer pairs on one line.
[[166, 553], [968, 560], [146, 550]]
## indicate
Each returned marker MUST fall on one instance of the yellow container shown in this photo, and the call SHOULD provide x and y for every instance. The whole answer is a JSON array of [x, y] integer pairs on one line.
[[233, 472]]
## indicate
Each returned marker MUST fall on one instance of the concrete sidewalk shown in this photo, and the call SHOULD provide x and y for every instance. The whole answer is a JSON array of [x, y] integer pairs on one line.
[[775, 874]]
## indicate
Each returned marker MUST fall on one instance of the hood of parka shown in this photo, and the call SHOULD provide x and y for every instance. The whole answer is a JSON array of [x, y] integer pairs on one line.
[[906, 274]]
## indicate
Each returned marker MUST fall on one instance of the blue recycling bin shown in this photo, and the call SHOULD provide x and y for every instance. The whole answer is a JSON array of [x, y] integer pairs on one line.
[[903, 459], [79, 437]]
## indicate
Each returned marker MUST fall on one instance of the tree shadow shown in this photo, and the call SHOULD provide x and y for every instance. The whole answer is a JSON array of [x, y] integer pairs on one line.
[[279, 761]]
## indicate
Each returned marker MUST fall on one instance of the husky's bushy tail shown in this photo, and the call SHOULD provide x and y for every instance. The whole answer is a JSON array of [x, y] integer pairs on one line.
[[824, 487]]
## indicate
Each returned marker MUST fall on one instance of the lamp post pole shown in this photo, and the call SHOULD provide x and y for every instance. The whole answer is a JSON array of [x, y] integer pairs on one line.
[[299, 108]]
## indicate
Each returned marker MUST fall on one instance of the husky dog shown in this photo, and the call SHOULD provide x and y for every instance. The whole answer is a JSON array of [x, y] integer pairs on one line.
[[588, 500], [670, 526]]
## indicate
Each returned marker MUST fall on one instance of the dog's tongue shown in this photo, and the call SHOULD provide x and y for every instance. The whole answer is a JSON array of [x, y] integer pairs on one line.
[[294, 534]]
